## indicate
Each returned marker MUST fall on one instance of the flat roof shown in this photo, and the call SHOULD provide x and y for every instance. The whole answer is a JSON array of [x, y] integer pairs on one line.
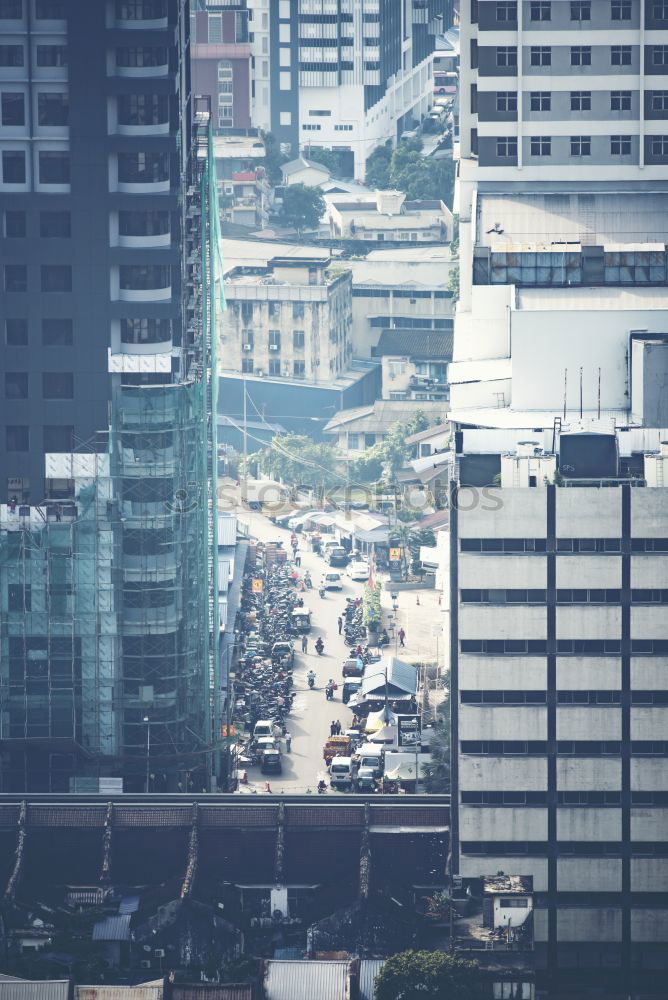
[[590, 218]]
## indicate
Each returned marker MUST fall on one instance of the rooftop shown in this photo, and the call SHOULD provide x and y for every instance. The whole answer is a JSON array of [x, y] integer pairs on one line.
[[609, 297], [415, 343], [234, 146], [429, 433], [301, 163], [39, 989], [299, 980], [383, 411], [592, 219], [507, 884]]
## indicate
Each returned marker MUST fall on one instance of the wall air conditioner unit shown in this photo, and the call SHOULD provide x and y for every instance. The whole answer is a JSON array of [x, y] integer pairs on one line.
[[145, 964], [159, 952], [229, 189], [273, 347], [259, 372], [248, 347]]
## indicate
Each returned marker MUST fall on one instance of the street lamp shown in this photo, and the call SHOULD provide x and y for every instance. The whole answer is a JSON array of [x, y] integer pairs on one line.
[[148, 752]]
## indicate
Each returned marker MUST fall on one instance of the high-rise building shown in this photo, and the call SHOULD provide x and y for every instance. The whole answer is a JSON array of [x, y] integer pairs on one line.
[[559, 695], [564, 89], [350, 75], [106, 532]]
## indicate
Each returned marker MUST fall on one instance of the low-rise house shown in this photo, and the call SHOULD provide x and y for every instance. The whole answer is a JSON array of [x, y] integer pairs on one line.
[[245, 200], [414, 364], [387, 216], [303, 171], [431, 441], [361, 427]]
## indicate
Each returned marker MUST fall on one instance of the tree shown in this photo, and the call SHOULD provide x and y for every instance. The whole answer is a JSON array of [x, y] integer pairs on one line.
[[303, 207], [437, 771], [330, 158], [295, 458], [378, 167], [421, 176], [274, 159], [421, 975]]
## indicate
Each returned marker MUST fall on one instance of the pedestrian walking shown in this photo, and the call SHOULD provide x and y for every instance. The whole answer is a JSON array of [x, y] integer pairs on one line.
[[304, 644], [338, 729], [402, 637], [340, 624], [332, 728], [288, 742], [298, 557]]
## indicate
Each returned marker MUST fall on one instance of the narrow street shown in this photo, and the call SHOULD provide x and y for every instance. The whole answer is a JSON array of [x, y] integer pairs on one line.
[[311, 714]]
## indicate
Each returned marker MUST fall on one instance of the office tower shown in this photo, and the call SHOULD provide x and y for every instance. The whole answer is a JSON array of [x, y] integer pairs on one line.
[[560, 699], [106, 533], [564, 90], [350, 75]]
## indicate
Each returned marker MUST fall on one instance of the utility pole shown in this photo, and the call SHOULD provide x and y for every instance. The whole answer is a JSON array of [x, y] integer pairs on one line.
[[244, 491], [148, 752]]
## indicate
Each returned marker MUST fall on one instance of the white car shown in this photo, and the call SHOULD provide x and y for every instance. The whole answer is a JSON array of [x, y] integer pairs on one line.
[[358, 570], [332, 581]]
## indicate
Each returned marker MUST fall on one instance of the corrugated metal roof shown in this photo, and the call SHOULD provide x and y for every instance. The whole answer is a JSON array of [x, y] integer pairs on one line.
[[369, 969], [41, 989], [129, 904], [399, 674], [212, 991], [227, 529], [115, 928], [143, 992], [306, 980]]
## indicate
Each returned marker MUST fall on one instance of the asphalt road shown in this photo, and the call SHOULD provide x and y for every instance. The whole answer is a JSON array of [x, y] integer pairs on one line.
[[311, 714]]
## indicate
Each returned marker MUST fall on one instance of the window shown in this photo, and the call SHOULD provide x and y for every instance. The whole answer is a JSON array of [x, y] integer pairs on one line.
[[16, 278], [620, 55], [16, 332], [581, 100], [299, 369], [274, 340], [620, 10], [660, 55], [145, 331], [580, 10], [506, 100], [17, 437], [506, 146], [13, 166], [660, 11], [19, 597], [298, 340], [620, 100], [639, 596], [58, 385], [584, 596], [506, 55], [589, 697], [504, 798], [580, 145], [659, 100], [49, 10], [588, 545], [319, 114], [143, 168], [16, 385], [297, 310], [58, 438], [540, 10], [57, 332], [503, 697], [54, 167], [144, 277], [11, 10], [13, 110], [15, 224], [591, 647], [312, 128], [53, 109], [540, 100], [541, 55], [620, 145], [498, 748], [506, 10], [143, 223], [140, 56], [11, 55], [54, 225], [56, 278], [509, 647], [580, 55], [247, 366], [52, 55], [343, 128], [143, 109], [589, 748], [659, 145], [274, 366], [541, 145], [513, 545], [589, 798]]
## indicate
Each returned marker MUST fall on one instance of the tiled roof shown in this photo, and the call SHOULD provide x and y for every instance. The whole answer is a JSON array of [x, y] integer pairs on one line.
[[416, 343]]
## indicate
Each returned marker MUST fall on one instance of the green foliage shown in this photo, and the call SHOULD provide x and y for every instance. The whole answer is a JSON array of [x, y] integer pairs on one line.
[[368, 468], [378, 167], [453, 280], [303, 207], [330, 158], [437, 771], [421, 975], [295, 458], [274, 159], [371, 613]]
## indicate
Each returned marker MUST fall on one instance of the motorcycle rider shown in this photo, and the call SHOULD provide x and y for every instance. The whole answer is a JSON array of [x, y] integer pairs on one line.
[[319, 646], [310, 677], [307, 580]]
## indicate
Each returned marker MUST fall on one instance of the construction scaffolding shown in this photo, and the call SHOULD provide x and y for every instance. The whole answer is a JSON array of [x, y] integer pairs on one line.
[[108, 596]]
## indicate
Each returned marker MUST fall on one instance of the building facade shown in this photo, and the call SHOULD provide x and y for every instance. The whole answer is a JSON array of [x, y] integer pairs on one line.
[[106, 573], [292, 318], [221, 60], [350, 74]]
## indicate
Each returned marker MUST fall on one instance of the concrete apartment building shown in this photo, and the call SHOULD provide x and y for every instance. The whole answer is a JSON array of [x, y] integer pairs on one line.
[[105, 628], [291, 318], [389, 217], [221, 61], [560, 701], [350, 74]]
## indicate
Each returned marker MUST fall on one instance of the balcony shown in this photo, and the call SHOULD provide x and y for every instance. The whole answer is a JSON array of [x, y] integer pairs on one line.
[[140, 15]]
